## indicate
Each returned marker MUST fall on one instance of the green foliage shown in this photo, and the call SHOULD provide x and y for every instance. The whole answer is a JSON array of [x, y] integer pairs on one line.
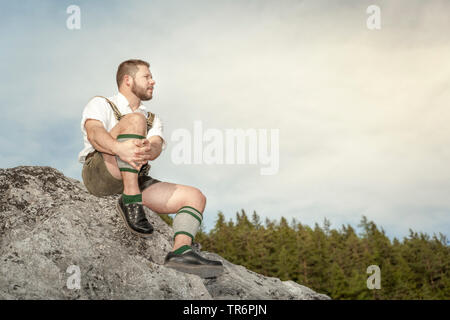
[[333, 261], [166, 218]]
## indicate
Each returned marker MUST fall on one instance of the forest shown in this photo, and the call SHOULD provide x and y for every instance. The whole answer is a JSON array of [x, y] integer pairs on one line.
[[334, 261]]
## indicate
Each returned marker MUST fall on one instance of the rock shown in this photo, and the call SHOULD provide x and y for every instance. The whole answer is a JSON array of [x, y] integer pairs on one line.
[[240, 283], [52, 231]]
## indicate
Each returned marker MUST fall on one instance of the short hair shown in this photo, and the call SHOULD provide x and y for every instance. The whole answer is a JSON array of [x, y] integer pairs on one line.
[[129, 67]]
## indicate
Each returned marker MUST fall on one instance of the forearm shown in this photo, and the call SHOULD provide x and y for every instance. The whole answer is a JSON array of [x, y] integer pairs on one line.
[[102, 141], [155, 147]]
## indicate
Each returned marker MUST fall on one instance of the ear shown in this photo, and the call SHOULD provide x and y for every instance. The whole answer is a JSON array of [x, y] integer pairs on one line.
[[127, 80]]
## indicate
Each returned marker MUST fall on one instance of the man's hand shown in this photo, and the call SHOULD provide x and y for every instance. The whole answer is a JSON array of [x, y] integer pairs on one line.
[[152, 147], [134, 151]]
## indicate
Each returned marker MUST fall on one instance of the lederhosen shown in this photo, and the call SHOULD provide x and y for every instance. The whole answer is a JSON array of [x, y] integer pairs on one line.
[[95, 175]]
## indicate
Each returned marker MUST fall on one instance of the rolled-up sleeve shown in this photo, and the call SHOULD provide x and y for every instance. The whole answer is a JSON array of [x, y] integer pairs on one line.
[[95, 109], [157, 130]]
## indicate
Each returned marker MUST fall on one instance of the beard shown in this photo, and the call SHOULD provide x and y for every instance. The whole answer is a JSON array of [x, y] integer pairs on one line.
[[141, 92]]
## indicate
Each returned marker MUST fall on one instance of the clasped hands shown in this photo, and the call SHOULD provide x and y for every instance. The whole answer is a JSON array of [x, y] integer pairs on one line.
[[136, 152]]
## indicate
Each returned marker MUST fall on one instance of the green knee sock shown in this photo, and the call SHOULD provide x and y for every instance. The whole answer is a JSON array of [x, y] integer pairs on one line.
[[182, 249], [187, 222], [127, 199]]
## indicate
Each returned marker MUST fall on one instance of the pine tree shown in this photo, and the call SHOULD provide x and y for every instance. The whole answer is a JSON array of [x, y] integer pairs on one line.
[[335, 261]]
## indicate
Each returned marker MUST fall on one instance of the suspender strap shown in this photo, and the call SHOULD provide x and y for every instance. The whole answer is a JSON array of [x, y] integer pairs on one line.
[[118, 115], [116, 111], [150, 118]]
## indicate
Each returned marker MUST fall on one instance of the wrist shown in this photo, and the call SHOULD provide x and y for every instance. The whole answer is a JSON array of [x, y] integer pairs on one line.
[[115, 147]]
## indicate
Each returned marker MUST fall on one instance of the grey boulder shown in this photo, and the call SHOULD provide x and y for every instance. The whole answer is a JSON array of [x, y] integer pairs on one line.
[[57, 241]]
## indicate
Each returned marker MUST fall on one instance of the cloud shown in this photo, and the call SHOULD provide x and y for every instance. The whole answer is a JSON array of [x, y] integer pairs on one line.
[[362, 114]]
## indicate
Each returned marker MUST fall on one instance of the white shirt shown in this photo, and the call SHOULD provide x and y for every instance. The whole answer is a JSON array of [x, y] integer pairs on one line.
[[99, 109]]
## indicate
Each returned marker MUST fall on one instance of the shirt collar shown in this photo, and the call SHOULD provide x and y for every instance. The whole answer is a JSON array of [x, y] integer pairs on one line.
[[122, 103]]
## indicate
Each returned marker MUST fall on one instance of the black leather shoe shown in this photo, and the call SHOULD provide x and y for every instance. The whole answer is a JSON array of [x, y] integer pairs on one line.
[[191, 262], [134, 216]]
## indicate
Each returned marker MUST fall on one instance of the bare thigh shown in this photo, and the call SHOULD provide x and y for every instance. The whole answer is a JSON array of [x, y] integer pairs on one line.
[[166, 197]]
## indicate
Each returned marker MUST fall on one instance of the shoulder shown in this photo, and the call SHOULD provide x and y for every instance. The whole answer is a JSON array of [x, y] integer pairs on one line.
[[156, 123], [97, 103], [156, 119], [97, 100], [148, 113], [151, 115]]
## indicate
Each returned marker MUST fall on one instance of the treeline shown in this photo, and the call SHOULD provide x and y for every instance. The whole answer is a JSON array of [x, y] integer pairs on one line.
[[333, 261]]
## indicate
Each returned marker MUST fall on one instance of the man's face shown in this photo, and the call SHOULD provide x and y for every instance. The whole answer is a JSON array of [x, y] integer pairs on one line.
[[143, 83]]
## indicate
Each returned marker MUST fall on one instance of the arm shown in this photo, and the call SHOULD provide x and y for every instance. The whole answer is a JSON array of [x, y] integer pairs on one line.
[[152, 147], [100, 139], [155, 146], [155, 141], [129, 151]]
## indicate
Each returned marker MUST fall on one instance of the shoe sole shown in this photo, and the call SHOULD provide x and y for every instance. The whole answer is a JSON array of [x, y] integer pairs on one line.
[[142, 235], [203, 271]]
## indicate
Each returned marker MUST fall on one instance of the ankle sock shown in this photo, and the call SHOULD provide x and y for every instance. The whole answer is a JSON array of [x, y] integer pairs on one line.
[[182, 249], [136, 198]]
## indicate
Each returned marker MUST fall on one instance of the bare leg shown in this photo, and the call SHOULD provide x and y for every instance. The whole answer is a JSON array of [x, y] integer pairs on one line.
[[162, 197], [165, 197], [133, 123]]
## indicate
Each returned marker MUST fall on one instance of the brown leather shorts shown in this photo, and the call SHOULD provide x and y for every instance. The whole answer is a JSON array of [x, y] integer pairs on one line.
[[100, 182]]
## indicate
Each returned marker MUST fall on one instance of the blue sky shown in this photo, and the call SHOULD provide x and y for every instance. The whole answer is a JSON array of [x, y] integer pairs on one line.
[[363, 115]]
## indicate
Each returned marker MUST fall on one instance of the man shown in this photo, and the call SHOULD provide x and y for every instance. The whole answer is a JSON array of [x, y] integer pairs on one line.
[[120, 137]]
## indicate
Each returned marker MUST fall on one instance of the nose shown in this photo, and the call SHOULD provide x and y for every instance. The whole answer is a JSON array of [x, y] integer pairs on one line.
[[152, 82]]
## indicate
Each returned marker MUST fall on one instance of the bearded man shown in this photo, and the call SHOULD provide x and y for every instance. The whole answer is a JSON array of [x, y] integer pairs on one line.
[[120, 137]]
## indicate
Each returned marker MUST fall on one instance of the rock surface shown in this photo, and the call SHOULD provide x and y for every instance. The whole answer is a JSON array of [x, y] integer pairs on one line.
[[53, 232]]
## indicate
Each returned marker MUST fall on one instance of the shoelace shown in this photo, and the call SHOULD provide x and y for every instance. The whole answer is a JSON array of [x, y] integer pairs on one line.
[[196, 247], [136, 214]]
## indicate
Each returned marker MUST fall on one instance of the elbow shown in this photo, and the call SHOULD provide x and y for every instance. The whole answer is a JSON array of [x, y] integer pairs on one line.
[[154, 156], [156, 151], [91, 139]]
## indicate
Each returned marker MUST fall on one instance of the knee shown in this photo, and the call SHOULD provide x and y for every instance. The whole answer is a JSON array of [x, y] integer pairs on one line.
[[135, 118], [200, 198]]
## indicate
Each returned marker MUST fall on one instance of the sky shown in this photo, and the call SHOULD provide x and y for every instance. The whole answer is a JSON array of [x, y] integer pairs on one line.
[[361, 113]]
